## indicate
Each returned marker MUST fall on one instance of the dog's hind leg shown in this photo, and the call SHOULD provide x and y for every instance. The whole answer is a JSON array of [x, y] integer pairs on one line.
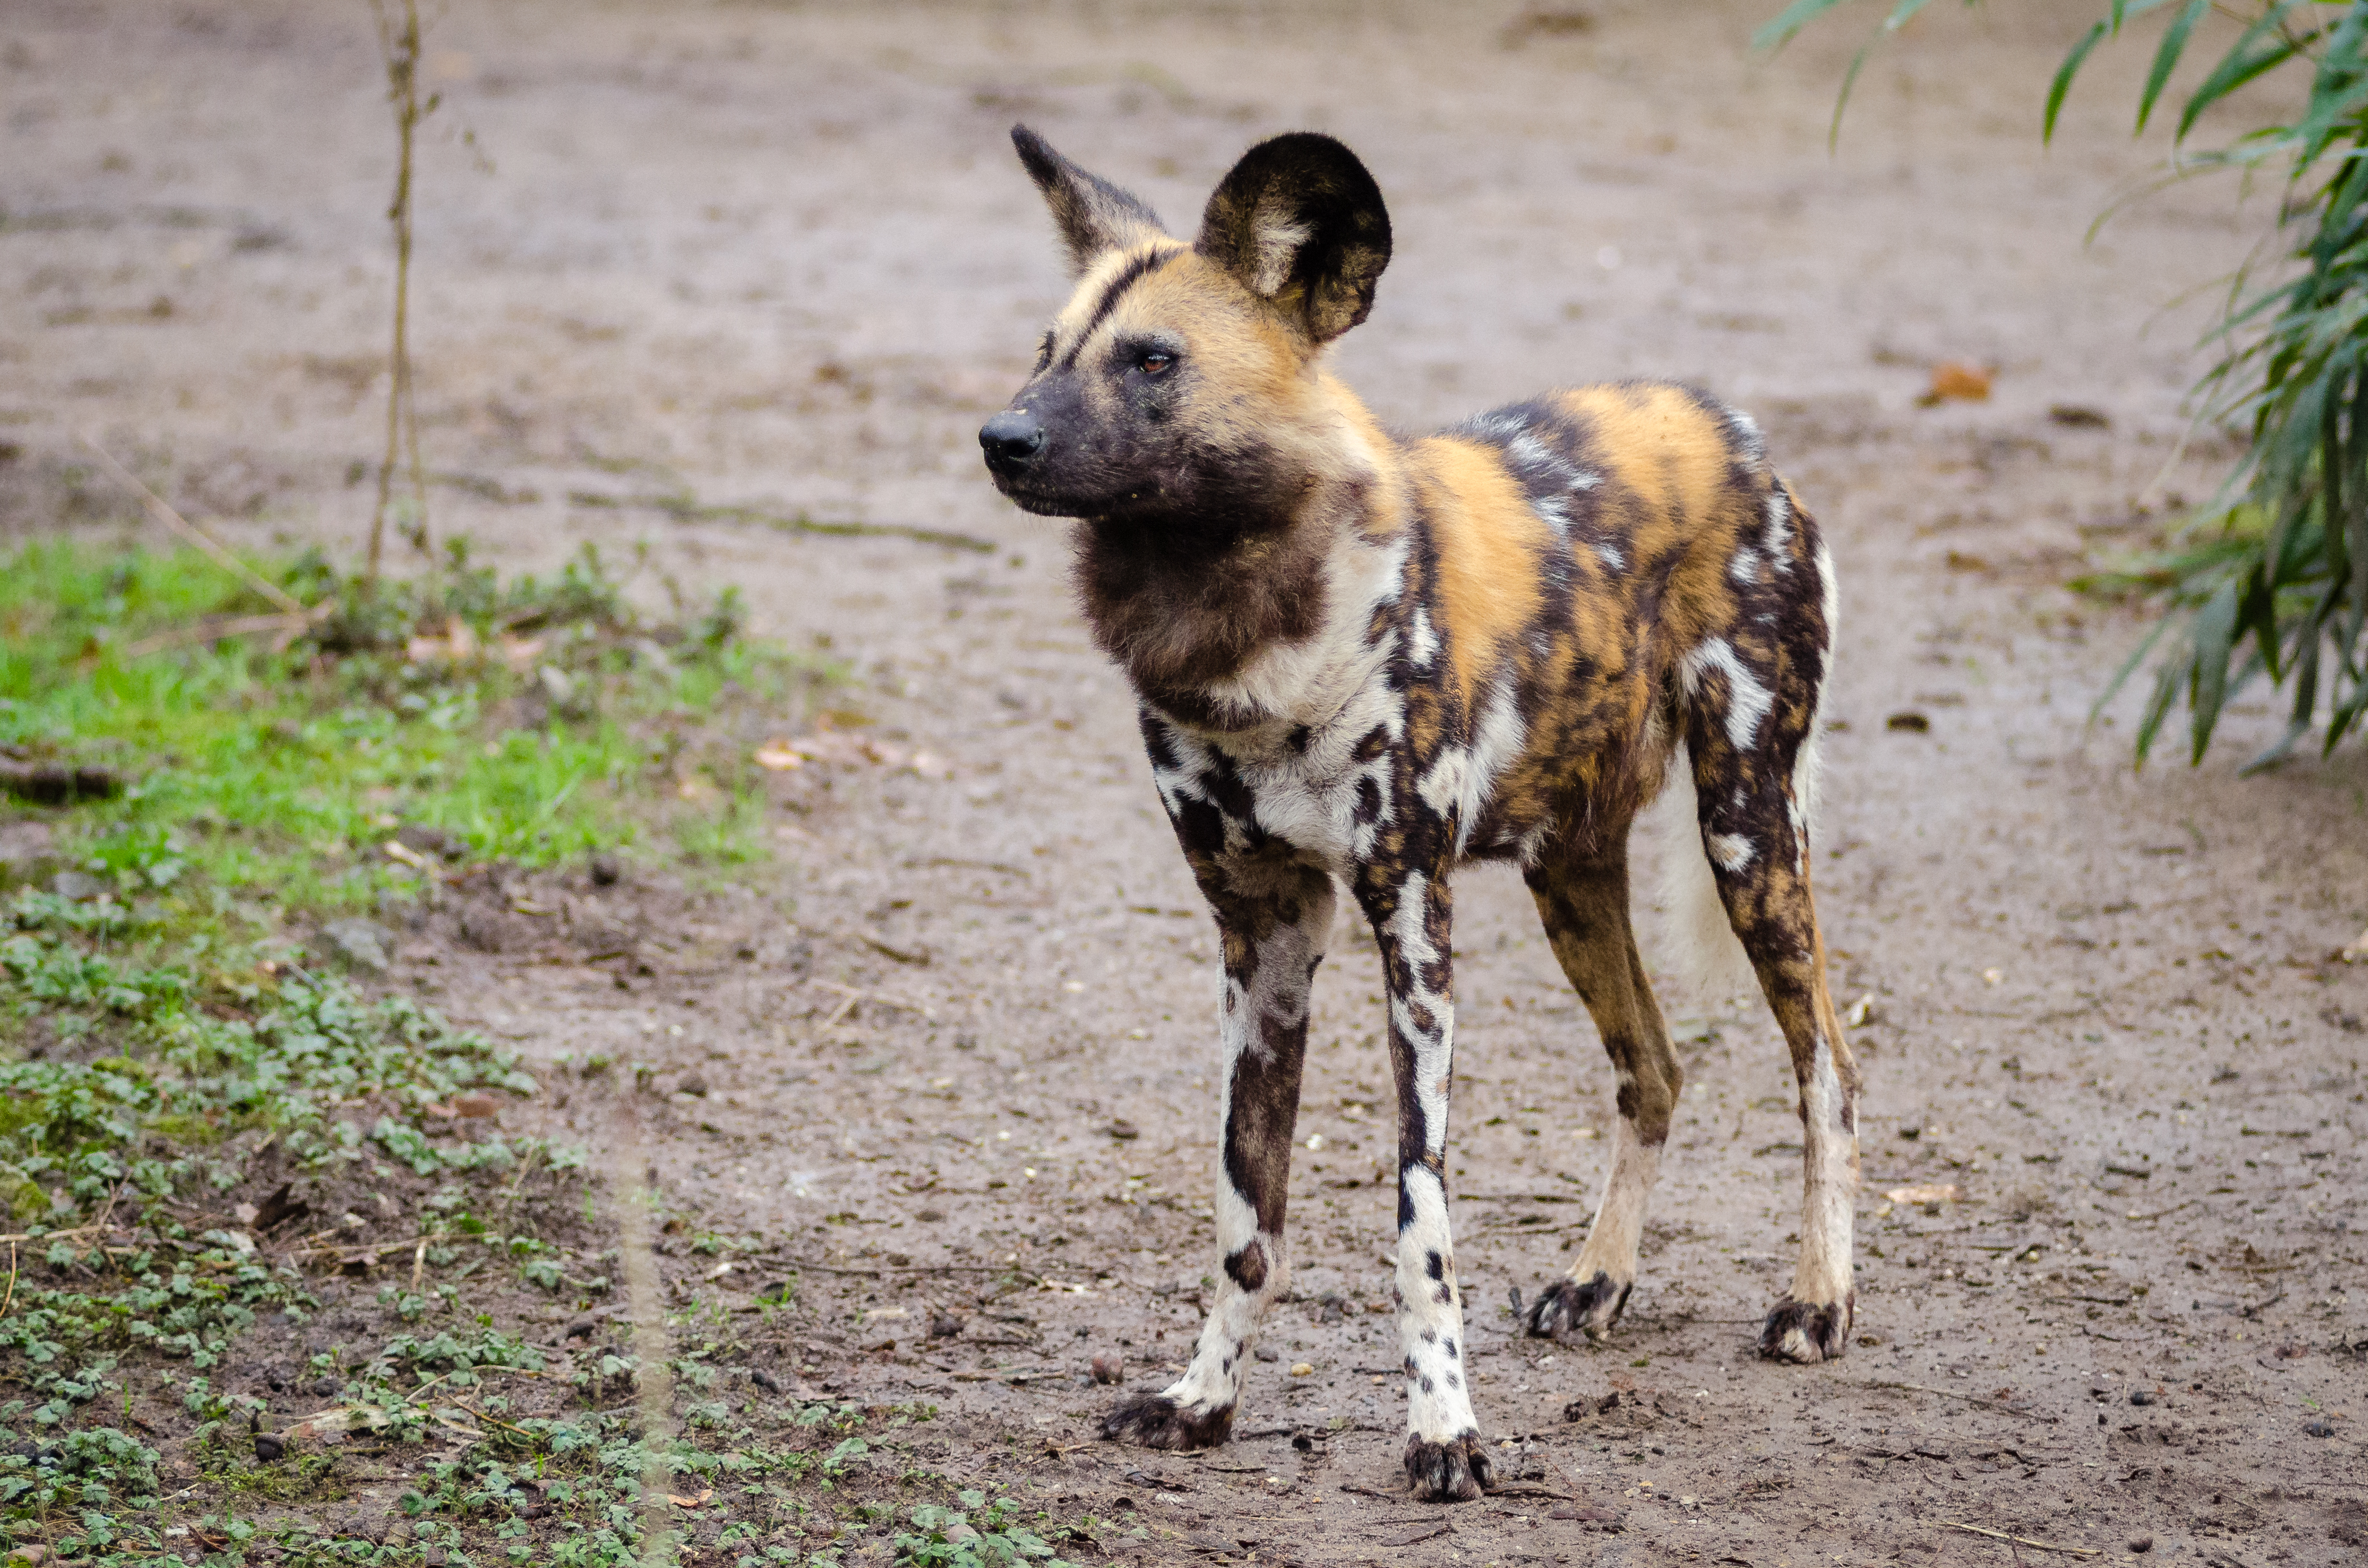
[[1753, 701], [1273, 939], [1585, 907]]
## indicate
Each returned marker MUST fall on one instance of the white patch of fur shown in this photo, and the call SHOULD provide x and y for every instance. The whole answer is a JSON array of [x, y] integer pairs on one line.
[[1460, 783], [1731, 851], [1776, 538], [1613, 560], [1618, 1225], [1422, 642], [1747, 430], [1289, 684], [1429, 1328], [1278, 241], [1830, 1191], [1747, 702]]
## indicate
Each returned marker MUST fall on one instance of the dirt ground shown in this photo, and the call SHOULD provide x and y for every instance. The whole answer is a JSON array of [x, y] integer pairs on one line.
[[782, 256]]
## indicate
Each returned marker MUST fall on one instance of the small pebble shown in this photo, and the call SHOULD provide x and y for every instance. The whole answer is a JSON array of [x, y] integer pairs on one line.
[[694, 1085], [2141, 1396], [268, 1448], [2141, 1543], [2319, 1428], [1302, 1369], [1110, 1368]]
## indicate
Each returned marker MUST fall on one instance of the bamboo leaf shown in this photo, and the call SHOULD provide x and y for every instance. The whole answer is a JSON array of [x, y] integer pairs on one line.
[[2216, 632], [2166, 58], [2062, 83], [1798, 15], [1841, 101], [2248, 58], [2157, 707]]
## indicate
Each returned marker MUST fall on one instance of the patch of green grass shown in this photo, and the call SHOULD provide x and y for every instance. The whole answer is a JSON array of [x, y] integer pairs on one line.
[[527, 721], [158, 1071]]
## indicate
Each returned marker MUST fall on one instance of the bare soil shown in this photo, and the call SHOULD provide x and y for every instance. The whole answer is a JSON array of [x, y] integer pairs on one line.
[[950, 1057]]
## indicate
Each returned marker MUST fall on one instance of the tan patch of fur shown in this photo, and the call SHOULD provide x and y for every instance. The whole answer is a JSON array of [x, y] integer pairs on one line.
[[1489, 545]]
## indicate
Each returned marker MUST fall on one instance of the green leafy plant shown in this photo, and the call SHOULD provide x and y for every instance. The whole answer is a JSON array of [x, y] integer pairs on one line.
[[2272, 579]]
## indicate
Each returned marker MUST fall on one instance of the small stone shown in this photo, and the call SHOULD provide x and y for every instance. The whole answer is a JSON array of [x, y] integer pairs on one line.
[[582, 1328], [1302, 1369], [79, 886], [2319, 1428], [694, 1085], [945, 1325], [604, 869], [2141, 1396], [268, 1448], [361, 943], [2141, 1543], [1110, 1368], [28, 852], [764, 1380]]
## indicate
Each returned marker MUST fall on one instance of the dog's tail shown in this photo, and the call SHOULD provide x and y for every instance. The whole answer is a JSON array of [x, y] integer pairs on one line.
[[1691, 934]]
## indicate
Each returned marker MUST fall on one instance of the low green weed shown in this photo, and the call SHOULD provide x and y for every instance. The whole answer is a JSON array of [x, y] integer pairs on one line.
[[525, 720]]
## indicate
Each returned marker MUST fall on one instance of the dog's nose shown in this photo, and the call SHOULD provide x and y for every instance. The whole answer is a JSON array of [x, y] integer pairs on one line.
[[1011, 440]]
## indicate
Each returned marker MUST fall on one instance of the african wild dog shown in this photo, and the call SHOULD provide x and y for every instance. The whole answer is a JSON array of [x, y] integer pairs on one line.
[[1373, 659]]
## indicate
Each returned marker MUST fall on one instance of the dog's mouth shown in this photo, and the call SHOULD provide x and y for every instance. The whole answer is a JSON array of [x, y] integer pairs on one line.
[[1029, 494], [1043, 502]]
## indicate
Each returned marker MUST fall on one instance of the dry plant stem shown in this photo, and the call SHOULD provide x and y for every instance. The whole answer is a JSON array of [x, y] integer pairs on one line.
[[653, 1382], [398, 40], [189, 530], [2024, 1539]]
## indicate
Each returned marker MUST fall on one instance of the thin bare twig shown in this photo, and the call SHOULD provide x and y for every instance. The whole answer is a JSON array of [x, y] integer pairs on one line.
[[190, 532], [2024, 1539], [398, 42]]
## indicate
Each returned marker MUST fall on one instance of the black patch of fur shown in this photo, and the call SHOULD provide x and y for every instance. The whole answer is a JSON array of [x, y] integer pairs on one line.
[[1155, 1421], [1248, 1267], [1458, 1471], [1311, 184], [1825, 1328], [1570, 1306]]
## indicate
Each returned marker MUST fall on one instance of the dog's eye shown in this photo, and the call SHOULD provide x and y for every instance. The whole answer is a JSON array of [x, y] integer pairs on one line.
[[1155, 361]]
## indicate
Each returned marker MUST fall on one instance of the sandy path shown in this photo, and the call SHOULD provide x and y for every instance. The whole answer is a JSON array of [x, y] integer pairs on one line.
[[782, 256]]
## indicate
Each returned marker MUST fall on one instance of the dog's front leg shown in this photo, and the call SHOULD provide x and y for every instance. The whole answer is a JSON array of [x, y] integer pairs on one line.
[[1273, 938], [1413, 918]]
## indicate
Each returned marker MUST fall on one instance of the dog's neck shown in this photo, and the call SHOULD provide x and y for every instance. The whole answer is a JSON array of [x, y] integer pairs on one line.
[[1231, 623]]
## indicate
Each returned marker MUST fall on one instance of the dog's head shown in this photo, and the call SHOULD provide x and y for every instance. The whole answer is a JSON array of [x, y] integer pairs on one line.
[[1177, 388]]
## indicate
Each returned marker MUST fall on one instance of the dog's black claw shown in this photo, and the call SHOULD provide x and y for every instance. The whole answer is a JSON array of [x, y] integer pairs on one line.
[[1808, 1332], [1457, 1471], [1569, 1306], [1155, 1421]]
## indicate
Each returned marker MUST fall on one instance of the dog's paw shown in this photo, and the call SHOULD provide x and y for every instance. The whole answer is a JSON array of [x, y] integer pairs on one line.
[[1457, 1471], [1155, 1421], [1808, 1332], [1572, 1306]]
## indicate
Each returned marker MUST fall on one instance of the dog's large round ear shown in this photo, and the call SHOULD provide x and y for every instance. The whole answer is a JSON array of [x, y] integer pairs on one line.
[[1092, 214], [1300, 224]]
